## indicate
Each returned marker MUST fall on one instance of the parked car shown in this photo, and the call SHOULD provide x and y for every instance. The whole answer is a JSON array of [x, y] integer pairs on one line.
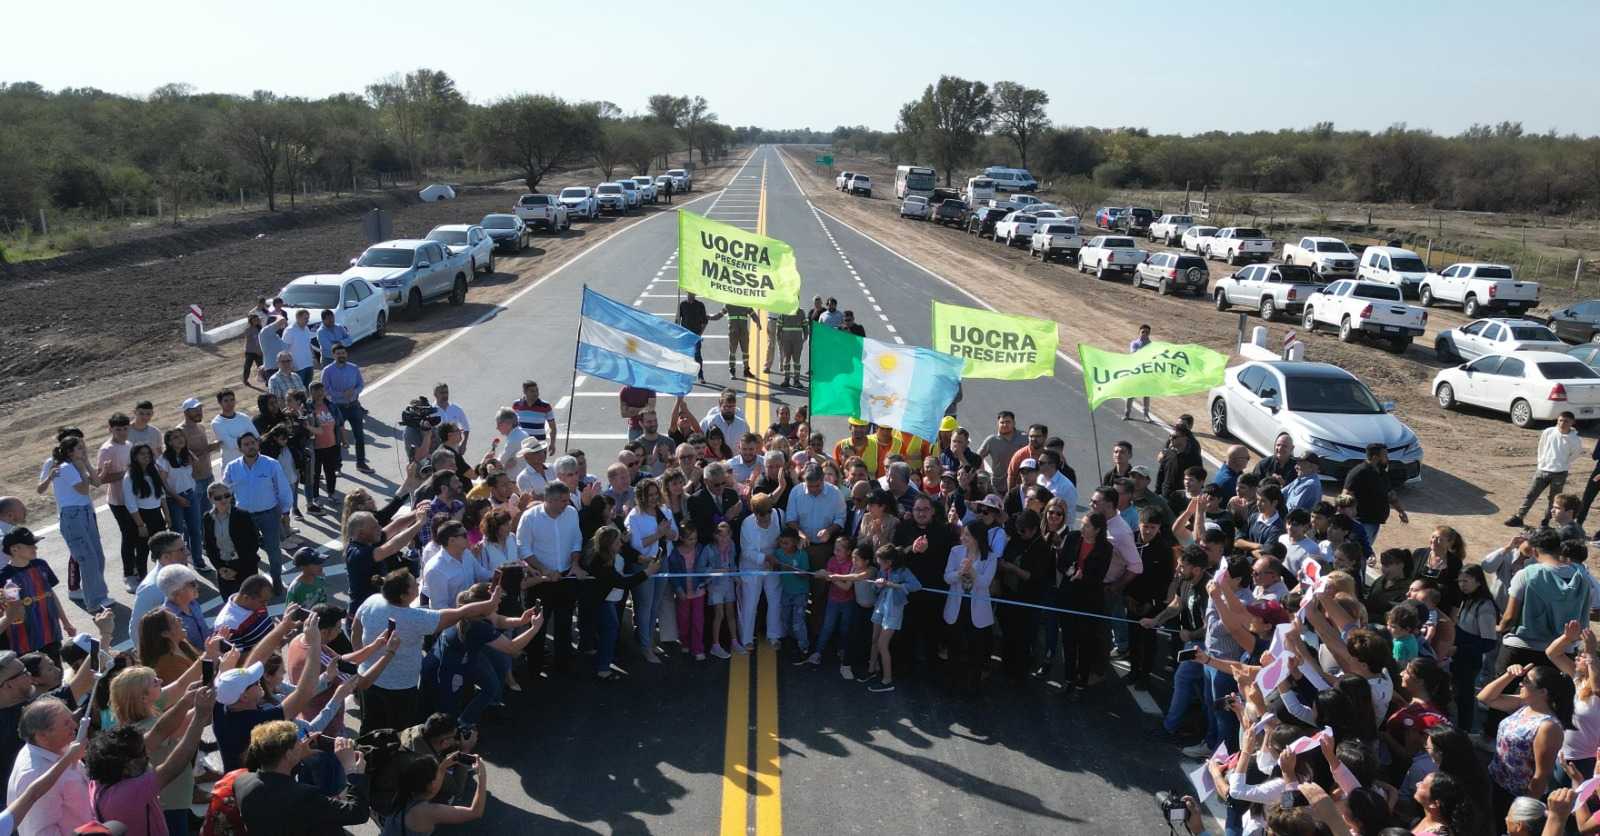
[[1015, 227], [634, 194], [410, 271], [580, 201], [1045, 211], [842, 181], [1476, 286], [1268, 288], [1587, 354], [1494, 336], [507, 231], [543, 211], [468, 240], [1106, 216], [1025, 201], [1196, 238], [611, 198], [682, 179], [1055, 239], [1329, 258], [1529, 386], [981, 222], [1321, 407], [1172, 272], [661, 184], [1365, 309], [1011, 179], [647, 187], [859, 184], [1169, 229], [1393, 266], [357, 306], [1135, 220], [914, 206], [1579, 323], [1234, 244], [952, 211], [1104, 254]]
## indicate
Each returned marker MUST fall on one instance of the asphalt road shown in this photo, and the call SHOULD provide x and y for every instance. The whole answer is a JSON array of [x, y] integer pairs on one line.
[[757, 745]]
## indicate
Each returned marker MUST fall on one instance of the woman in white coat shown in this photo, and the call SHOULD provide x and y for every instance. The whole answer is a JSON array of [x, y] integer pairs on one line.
[[758, 542], [970, 571]]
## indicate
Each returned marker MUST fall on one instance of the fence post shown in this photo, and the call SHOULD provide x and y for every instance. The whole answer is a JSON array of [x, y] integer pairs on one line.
[[1576, 272], [1428, 259], [44, 225]]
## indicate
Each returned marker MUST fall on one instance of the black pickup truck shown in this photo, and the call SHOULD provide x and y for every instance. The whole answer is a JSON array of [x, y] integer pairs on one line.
[[951, 211]]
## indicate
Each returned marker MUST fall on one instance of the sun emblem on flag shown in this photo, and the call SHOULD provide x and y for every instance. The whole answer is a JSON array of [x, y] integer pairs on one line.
[[888, 362], [631, 346]]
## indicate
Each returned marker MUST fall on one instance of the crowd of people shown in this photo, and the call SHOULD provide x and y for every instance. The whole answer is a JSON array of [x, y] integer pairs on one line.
[[1335, 687]]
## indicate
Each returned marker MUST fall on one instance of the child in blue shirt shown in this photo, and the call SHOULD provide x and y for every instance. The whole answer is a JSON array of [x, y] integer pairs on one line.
[[895, 585], [794, 587]]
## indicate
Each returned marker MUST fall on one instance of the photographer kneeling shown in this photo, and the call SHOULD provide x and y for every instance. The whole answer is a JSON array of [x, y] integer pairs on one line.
[[440, 737], [271, 801]]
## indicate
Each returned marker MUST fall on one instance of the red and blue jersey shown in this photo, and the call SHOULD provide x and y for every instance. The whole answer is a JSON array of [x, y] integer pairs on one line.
[[41, 619]]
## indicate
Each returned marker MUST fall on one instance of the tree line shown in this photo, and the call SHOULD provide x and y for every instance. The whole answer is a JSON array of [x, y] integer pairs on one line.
[[104, 153], [961, 125]]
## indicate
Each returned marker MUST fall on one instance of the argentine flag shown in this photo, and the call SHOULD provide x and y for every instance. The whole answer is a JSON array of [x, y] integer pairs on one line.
[[625, 345]]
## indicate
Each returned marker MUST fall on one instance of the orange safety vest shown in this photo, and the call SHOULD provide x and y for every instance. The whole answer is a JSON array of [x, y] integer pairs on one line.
[[842, 451], [909, 447]]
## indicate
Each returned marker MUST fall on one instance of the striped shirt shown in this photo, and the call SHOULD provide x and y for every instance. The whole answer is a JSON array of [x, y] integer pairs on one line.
[[41, 618], [535, 418]]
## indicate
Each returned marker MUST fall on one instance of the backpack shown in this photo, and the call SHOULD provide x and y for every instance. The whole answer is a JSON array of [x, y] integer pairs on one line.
[[223, 817]]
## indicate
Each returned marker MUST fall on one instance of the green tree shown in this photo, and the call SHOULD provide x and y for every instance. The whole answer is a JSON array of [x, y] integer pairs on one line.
[[949, 120], [536, 134], [1019, 114], [256, 131]]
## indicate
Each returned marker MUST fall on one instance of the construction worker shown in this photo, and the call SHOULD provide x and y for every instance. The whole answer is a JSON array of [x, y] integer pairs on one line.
[[739, 321], [772, 342], [692, 315], [860, 443], [890, 442], [792, 329]]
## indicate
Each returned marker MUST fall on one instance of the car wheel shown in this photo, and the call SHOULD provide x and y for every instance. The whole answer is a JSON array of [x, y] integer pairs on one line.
[[381, 325], [1347, 332], [1222, 300], [1269, 310], [489, 270], [458, 291], [1444, 350], [1446, 396], [1163, 288], [1219, 418], [1100, 271], [1470, 307], [414, 304], [1426, 297], [1521, 413], [1308, 321], [1081, 268]]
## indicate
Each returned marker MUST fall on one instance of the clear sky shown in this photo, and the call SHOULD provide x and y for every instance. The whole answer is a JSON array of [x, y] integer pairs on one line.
[[1358, 63]]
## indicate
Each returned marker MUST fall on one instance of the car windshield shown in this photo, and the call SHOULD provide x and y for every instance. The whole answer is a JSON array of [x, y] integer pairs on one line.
[[1407, 264], [1120, 242], [1297, 273], [1024, 219], [1566, 370], [1202, 230], [1059, 229], [1345, 396], [316, 296], [535, 200], [920, 181], [1143, 214], [385, 257], [1247, 232], [1377, 291], [574, 192], [628, 184], [1532, 333], [1332, 247], [448, 236], [916, 199], [1494, 272], [610, 190], [499, 222]]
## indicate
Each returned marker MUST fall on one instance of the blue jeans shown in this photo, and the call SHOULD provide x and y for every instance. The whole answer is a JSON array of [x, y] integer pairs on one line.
[[267, 523], [605, 626], [645, 598], [489, 674], [1372, 532], [1188, 685], [82, 533], [793, 605], [186, 521], [202, 489], [305, 375], [352, 414], [1222, 726], [1117, 607], [836, 619]]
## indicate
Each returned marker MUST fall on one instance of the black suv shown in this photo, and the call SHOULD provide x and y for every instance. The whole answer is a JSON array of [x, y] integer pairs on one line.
[[980, 222], [1134, 220]]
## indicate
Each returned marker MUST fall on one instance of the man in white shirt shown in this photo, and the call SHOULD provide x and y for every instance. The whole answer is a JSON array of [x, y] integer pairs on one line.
[[532, 472], [1299, 543], [1126, 565], [747, 462], [444, 410], [229, 425], [448, 570], [1050, 476], [511, 438], [1560, 447], [548, 533], [49, 729], [297, 341], [726, 417]]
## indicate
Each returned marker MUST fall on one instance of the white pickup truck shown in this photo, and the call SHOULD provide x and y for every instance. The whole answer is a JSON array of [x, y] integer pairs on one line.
[[1015, 228], [409, 271], [1234, 244], [1169, 229], [1268, 288], [1110, 254], [682, 179], [1360, 308], [1329, 258], [469, 239], [1055, 239], [544, 211], [1476, 287]]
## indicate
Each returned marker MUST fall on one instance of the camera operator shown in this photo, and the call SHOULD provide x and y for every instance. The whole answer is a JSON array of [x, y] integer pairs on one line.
[[1185, 809], [440, 737], [271, 801], [418, 420]]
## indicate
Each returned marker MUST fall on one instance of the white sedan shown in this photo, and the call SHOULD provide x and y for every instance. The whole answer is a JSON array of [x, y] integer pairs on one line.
[[914, 206], [1528, 385], [357, 306], [1195, 238], [470, 239], [1482, 337]]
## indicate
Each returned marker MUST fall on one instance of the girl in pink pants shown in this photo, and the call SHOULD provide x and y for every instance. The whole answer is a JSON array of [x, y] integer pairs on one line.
[[687, 555]]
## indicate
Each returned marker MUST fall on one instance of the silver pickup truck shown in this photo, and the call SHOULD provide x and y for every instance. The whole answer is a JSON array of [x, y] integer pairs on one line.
[[1269, 288], [410, 271]]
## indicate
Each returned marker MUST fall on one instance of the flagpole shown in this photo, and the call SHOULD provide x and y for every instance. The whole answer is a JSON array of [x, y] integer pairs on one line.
[[572, 390], [1094, 432]]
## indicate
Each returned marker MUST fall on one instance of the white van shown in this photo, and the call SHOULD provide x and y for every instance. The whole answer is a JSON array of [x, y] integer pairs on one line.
[[979, 189], [1011, 179], [1393, 266]]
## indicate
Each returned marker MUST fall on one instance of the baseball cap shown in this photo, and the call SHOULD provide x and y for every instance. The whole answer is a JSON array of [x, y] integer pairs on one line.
[[1029, 464], [948, 424], [231, 684], [192, 403], [308, 556], [11, 665], [1270, 611], [991, 502], [22, 535], [1140, 470]]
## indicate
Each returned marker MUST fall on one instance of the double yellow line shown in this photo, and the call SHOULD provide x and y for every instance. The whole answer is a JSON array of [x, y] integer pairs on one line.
[[742, 774]]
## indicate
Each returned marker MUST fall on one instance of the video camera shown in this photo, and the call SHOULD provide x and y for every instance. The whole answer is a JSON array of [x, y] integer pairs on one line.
[[419, 415]]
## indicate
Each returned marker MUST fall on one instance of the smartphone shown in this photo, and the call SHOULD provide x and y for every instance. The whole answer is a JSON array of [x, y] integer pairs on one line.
[[391, 625], [1189, 654], [466, 759], [347, 668], [322, 742], [208, 672], [83, 728], [94, 655], [299, 616]]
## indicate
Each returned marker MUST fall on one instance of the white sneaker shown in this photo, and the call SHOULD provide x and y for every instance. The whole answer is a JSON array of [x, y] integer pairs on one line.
[[717, 651], [846, 674], [699, 657]]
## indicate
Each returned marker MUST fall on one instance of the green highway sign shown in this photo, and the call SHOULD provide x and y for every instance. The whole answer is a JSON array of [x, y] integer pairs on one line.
[[825, 159]]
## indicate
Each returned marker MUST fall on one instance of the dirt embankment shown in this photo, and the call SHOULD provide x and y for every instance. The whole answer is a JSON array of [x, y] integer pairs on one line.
[[1476, 464], [80, 344]]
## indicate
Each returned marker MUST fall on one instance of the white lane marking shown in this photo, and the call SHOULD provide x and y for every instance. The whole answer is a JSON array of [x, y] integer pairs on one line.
[[614, 392], [580, 380], [562, 404], [598, 436]]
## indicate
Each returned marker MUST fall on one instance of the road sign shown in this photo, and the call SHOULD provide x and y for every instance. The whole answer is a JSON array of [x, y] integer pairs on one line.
[[825, 159]]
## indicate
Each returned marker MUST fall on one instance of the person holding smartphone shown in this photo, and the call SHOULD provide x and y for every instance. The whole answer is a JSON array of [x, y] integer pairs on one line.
[[271, 801], [1188, 607], [420, 781]]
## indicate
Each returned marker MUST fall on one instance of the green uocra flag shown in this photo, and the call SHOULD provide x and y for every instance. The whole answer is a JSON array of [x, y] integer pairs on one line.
[[1155, 370]]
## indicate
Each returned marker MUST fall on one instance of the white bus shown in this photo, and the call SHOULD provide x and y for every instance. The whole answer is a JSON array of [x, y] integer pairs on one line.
[[914, 180]]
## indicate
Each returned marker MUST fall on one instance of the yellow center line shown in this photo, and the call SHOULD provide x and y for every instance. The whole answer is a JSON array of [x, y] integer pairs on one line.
[[769, 791], [736, 748]]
